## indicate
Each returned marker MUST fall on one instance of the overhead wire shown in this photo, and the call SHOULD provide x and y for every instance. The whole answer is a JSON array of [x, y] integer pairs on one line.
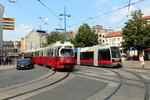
[[91, 18], [28, 11], [49, 9], [123, 17]]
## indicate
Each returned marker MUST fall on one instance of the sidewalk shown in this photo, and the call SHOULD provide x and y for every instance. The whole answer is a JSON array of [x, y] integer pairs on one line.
[[126, 64], [2, 67], [135, 64]]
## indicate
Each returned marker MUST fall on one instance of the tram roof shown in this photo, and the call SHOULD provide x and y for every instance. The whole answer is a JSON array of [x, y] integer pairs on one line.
[[61, 43], [56, 44], [96, 46]]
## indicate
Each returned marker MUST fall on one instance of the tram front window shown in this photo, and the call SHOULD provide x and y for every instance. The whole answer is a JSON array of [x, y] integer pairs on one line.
[[67, 52], [115, 52]]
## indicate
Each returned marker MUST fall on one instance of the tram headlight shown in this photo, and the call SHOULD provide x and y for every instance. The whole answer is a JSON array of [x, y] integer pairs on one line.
[[68, 61]]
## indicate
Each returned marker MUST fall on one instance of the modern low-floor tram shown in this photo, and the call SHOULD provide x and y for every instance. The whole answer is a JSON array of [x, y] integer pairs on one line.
[[99, 55]]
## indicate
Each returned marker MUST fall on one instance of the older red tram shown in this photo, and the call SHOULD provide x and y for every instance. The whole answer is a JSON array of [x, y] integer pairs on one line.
[[58, 55]]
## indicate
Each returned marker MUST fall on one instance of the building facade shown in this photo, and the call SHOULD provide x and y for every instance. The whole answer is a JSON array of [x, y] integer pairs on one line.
[[34, 40], [114, 38], [11, 48], [101, 33]]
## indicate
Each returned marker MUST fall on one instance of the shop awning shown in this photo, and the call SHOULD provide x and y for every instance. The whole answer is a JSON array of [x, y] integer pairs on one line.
[[147, 49]]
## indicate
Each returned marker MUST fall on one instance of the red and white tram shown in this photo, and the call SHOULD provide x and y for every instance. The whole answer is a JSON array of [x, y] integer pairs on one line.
[[58, 55], [99, 55]]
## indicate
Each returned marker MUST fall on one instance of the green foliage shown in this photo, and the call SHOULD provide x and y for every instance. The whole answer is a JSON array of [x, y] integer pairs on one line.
[[136, 32], [53, 37], [85, 37]]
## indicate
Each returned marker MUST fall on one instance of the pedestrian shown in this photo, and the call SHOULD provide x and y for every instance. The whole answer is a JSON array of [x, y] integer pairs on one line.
[[141, 60], [4, 60]]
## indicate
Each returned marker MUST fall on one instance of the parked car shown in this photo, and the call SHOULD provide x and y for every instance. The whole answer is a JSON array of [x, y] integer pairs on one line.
[[25, 63]]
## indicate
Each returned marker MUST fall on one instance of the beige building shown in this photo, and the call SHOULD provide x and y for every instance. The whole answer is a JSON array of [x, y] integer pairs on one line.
[[114, 38], [101, 33], [34, 40]]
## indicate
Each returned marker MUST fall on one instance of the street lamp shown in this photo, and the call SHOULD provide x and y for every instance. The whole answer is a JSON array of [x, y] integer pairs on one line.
[[65, 15], [42, 18]]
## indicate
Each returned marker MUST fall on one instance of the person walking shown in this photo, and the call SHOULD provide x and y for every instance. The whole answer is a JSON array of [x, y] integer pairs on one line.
[[141, 60]]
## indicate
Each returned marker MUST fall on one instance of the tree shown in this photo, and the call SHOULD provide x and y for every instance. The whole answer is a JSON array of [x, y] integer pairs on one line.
[[136, 32], [85, 37], [53, 37]]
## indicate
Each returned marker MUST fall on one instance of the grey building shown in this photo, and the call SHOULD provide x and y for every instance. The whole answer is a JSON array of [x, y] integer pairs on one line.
[[11, 48]]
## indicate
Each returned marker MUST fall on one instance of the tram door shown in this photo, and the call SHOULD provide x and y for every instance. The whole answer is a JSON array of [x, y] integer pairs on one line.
[[95, 55], [55, 56], [78, 56]]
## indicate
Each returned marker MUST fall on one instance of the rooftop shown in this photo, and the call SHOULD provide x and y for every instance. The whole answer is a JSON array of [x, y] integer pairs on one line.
[[146, 17], [114, 34]]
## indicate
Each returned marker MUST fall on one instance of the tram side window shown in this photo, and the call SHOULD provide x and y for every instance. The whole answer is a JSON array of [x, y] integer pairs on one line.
[[37, 53], [104, 54], [31, 54], [86, 56], [49, 52], [41, 53]]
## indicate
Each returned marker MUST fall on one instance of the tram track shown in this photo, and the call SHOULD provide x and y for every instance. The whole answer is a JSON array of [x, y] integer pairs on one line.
[[107, 77], [28, 83], [47, 82], [142, 80], [146, 94], [134, 83], [116, 88]]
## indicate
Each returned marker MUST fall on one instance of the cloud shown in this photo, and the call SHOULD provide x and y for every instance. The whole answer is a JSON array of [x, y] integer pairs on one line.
[[146, 11], [100, 2], [145, 8], [118, 15], [23, 29], [19, 32]]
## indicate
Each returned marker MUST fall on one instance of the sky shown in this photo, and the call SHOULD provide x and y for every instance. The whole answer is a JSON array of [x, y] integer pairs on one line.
[[33, 15]]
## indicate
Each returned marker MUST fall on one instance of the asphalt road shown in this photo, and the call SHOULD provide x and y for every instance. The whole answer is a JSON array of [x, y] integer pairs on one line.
[[10, 77], [78, 88], [84, 83]]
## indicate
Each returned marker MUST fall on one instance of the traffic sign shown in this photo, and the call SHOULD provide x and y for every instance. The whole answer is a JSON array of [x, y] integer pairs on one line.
[[8, 23], [8, 19], [8, 28]]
